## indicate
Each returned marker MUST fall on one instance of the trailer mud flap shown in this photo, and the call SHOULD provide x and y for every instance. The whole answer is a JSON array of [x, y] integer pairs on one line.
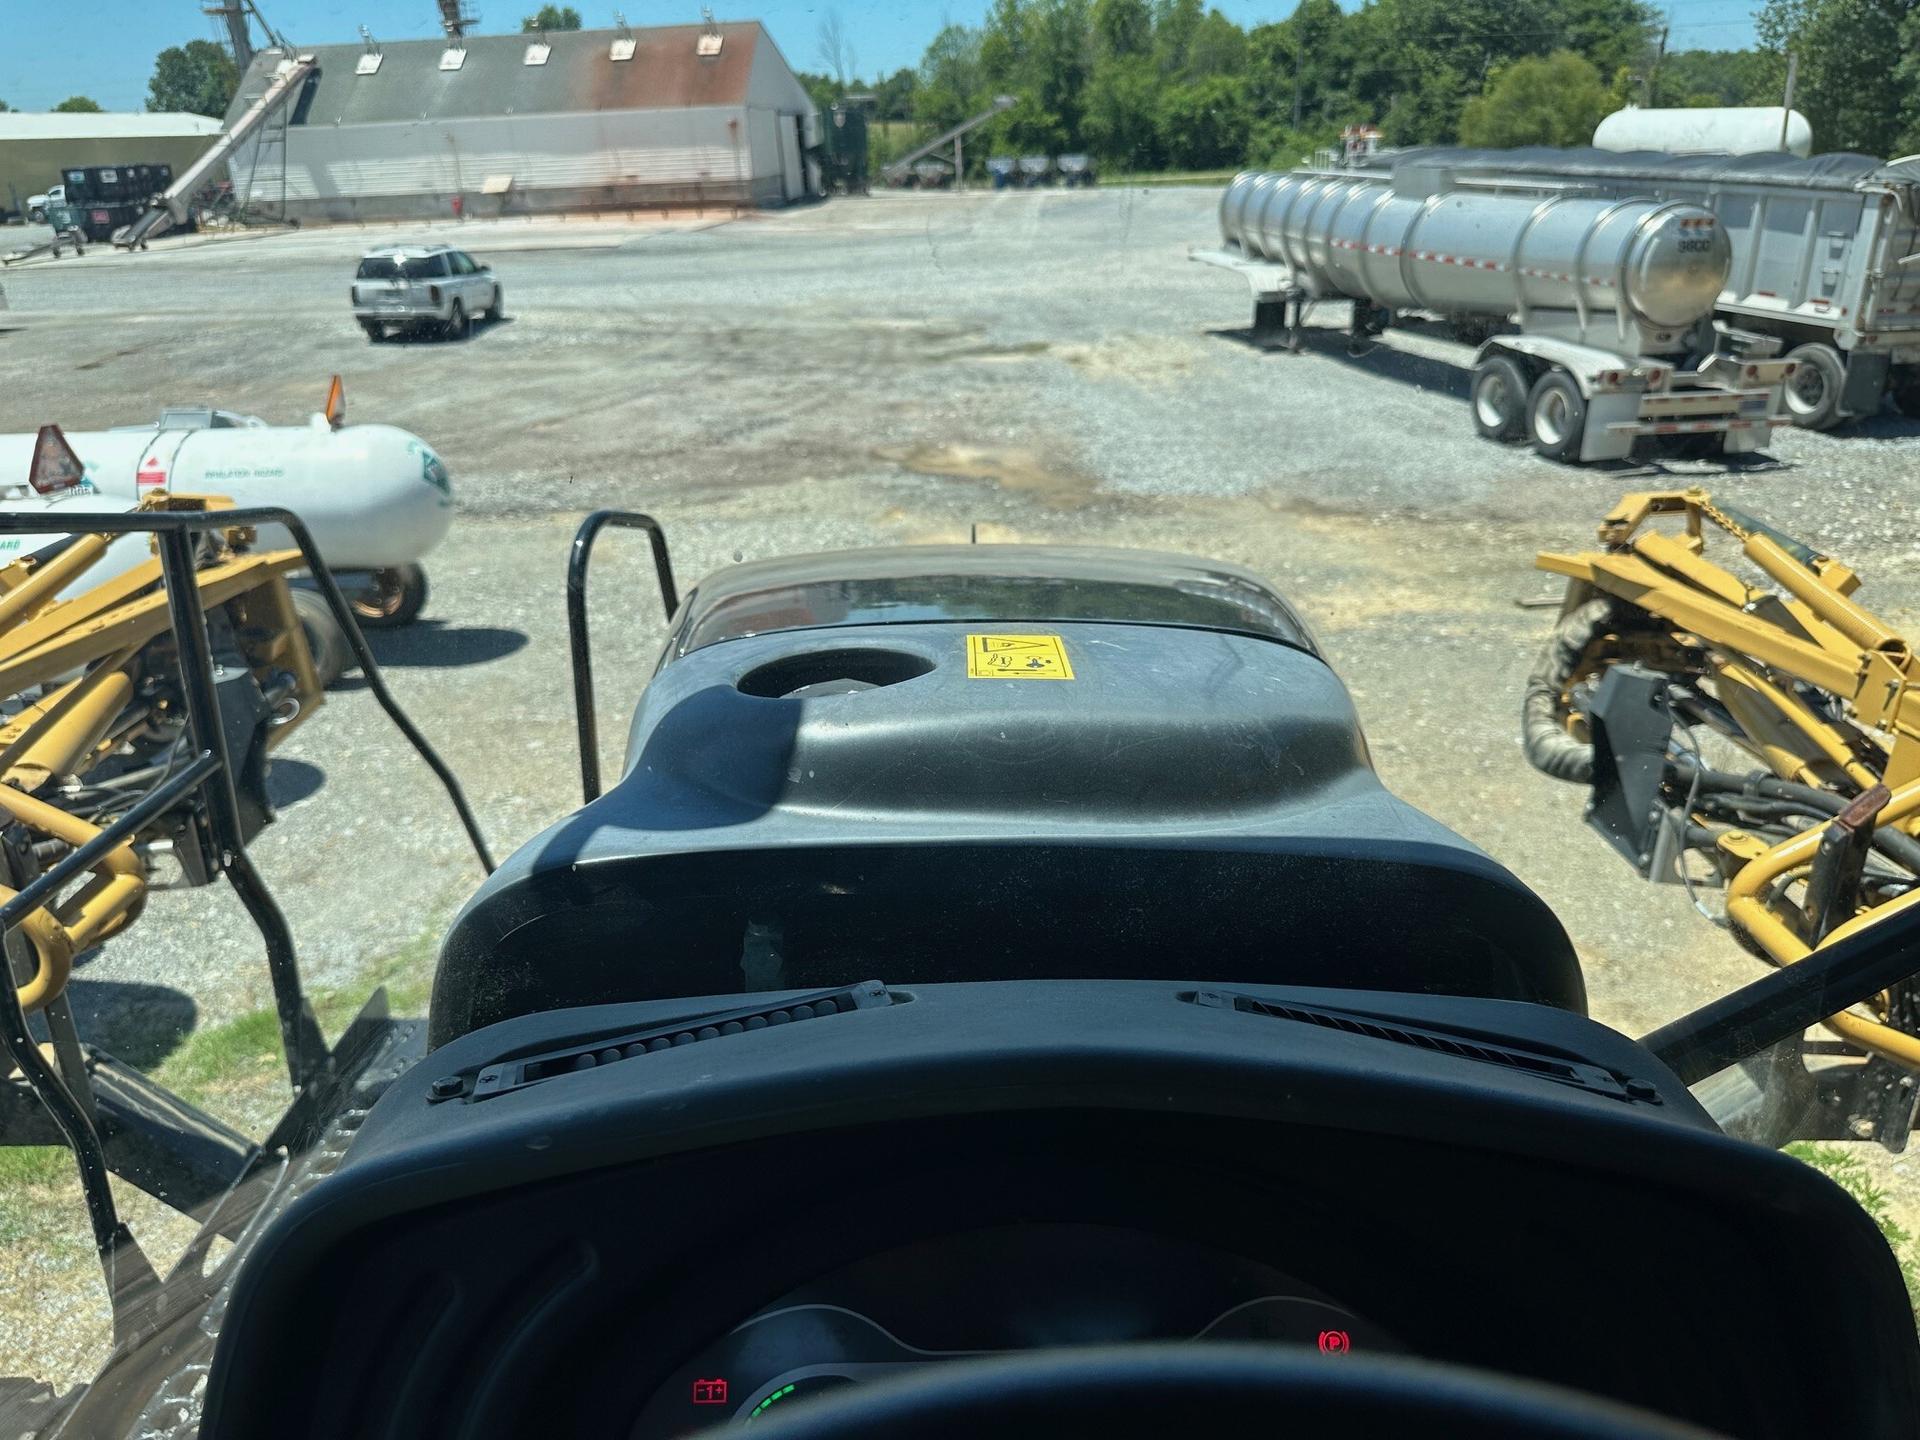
[[1866, 382]]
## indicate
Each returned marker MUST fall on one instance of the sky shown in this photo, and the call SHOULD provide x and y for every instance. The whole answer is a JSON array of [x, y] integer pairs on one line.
[[50, 49]]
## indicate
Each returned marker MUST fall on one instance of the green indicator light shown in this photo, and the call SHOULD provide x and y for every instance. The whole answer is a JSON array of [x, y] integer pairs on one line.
[[780, 1394]]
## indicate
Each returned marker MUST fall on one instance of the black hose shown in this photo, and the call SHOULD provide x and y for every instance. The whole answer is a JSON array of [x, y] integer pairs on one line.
[[1898, 846], [1543, 728]]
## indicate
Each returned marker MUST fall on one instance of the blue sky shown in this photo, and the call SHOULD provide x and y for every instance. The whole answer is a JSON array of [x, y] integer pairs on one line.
[[50, 49]]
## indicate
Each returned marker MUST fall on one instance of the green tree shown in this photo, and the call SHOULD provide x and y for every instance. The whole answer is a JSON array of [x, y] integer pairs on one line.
[[551, 17], [823, 90], [1122, 27], [950, 79], [1555, 101], [1218, 47], [1175, 23], [77, 105], [1857, 69], [1205, 125], [4, 107], [1123, 121], [197, 78], [893, 96], [1708, 77]]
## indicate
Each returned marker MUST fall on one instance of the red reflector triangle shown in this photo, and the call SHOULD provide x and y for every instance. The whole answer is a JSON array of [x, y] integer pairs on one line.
[[55, 467]]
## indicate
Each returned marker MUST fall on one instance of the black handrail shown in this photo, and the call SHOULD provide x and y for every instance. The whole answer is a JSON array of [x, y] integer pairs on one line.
[[578, 643], [1785, 1002], [164, 521], [129, 1275]]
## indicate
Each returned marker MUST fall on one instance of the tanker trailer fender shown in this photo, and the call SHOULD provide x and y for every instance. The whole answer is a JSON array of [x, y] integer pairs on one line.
[[1606, 393]]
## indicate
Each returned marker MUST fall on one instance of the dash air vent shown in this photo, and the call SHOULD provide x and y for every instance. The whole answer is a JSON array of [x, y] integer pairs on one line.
[[1562, 1071], [515, 1072]]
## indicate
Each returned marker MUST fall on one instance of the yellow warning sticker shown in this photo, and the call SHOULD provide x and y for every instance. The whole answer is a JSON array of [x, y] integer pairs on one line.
[[1017, 657]]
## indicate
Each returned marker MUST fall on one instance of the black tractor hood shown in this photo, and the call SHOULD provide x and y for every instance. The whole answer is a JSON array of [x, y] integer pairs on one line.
[[825, 804]]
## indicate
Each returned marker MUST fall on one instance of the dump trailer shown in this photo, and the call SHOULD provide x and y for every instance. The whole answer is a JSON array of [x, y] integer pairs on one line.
[[1826, 254], [1613, 299]]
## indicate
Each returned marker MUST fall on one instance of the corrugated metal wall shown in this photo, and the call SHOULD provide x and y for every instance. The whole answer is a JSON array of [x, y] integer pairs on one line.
[[718, 155]]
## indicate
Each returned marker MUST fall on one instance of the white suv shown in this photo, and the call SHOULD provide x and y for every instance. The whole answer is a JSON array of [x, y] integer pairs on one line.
[[422, 287]]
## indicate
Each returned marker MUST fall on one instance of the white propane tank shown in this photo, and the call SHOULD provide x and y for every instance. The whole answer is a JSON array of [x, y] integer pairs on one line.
[[373, 496], [1723, 130]]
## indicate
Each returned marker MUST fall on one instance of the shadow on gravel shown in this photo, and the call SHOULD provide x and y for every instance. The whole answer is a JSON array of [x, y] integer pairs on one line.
[[139, 1025], [432, 335], [291, 781], [436, 643], [1372, 357], [1888, 425]]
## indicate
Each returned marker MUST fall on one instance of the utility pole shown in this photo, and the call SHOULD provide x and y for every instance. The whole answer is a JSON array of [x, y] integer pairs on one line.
[[234, 13], [1786, 102], [1298, 51], [1652, 96]]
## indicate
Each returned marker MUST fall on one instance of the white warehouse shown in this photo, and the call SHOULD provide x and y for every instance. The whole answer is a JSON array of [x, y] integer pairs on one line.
[[519, 124]]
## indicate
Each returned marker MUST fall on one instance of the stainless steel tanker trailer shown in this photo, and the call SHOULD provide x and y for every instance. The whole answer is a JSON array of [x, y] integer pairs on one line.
[[1826, 254], [1613, 299]]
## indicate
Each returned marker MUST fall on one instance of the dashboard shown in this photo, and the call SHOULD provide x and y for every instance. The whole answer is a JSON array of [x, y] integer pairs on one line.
[[993, 1291], [715, 1233]]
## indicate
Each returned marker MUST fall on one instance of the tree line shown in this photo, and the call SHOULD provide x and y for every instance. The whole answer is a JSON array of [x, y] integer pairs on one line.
[[1172, 84]]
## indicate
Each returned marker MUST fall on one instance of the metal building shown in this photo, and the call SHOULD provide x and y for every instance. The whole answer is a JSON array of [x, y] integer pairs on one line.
[[518, 124], [35, 148]]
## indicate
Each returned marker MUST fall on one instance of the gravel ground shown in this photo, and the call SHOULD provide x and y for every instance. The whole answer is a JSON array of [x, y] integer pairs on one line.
[[1047, 366]]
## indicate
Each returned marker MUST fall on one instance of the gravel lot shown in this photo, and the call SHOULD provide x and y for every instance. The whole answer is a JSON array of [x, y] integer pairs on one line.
[[1048, 366]]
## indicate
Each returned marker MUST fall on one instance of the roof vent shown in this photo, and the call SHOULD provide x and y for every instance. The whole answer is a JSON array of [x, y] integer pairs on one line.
[[537, 53], [452, 58], [623, 43], [368, 63]]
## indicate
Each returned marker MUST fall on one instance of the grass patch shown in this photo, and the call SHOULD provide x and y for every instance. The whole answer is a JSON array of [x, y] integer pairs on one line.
[[1850, 1173], [243, 1058], [36, 1188]]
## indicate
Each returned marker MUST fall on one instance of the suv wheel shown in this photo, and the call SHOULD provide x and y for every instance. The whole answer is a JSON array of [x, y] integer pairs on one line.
[[457, 322]]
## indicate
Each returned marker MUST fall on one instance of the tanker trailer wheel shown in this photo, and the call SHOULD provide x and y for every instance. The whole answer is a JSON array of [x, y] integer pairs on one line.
[[1556, 416], [395, 598], [1813, 391], [1499, 399], [326, 641]]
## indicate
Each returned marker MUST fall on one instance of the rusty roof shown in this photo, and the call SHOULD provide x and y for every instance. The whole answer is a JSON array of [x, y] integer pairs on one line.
[[666, 72]]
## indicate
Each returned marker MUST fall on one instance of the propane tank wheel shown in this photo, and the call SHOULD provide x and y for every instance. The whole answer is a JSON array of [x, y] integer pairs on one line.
[[1556, 416], [1500, 389], [396, 597]]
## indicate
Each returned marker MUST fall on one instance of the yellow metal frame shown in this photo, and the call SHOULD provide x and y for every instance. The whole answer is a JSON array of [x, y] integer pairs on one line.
[[100, 634], [1755, 645]]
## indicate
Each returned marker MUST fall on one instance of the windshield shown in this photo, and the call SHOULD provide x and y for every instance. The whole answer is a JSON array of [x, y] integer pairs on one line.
[[411, 267], [1483, 430], [1218, 602]]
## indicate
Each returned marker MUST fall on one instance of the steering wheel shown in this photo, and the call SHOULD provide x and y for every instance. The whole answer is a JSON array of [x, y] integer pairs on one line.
[[1161, 1390]]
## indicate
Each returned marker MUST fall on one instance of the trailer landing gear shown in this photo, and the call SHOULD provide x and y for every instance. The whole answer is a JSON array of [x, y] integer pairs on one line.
[[1278, 316]]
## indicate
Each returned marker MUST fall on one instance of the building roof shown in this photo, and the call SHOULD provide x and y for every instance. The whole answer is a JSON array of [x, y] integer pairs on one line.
[[493, 78], [112, 125]]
